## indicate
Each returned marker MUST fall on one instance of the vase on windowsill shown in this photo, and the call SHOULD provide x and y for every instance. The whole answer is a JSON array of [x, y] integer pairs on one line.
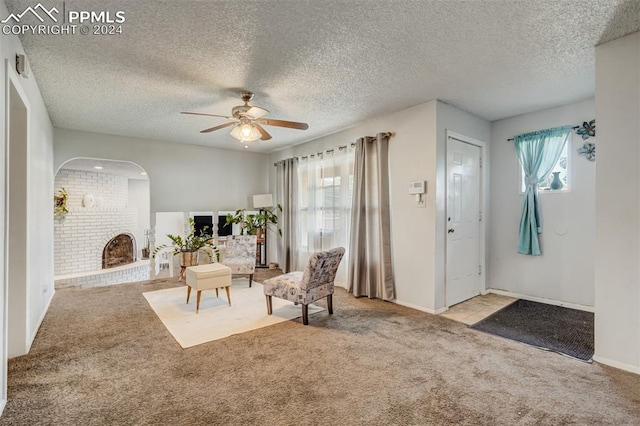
[[556, 183], [145, 249]]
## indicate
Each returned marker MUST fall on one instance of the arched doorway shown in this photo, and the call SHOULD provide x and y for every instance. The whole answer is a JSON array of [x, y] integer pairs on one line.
[[108, 205]]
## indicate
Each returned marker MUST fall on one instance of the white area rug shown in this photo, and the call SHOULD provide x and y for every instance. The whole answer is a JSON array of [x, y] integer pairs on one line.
[[216, 319]]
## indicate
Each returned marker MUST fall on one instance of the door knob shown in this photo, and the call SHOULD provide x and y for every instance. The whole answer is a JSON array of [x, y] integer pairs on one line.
[[451, 231]]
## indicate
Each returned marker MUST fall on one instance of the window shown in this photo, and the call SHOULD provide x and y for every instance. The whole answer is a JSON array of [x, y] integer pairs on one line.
[[325, 196], [561, 168], [541, 154]]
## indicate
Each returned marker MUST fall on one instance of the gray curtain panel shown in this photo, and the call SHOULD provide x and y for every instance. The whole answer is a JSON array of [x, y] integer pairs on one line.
[[370, 271], [287, 197]]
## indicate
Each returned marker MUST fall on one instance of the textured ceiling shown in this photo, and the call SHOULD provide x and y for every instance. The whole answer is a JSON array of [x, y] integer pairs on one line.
[[330, 63]]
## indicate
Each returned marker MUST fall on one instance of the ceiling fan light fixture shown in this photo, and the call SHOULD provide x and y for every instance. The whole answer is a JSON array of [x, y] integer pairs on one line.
[[247, 122], [245, 132]]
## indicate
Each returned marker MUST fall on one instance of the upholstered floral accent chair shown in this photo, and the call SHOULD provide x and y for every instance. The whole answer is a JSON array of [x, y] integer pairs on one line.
[[239, 254], [306, 287]]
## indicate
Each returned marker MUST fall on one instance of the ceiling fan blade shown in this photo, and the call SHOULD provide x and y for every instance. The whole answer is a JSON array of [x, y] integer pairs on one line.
[[283, 123], [265, 135], [256, 112], [222, 126], [208, 115]]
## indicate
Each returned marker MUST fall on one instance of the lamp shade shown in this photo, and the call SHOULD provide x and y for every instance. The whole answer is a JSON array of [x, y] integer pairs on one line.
[[245, 132], [262, 200]]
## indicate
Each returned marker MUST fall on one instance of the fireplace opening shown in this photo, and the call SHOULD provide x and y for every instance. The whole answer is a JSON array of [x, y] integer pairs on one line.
[[118, 251]]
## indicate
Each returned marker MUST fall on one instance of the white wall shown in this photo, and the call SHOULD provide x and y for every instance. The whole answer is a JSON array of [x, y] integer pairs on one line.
[[40, 200], [416, 152], [617, 255], [168, 223], [182, 177], [564, 272]]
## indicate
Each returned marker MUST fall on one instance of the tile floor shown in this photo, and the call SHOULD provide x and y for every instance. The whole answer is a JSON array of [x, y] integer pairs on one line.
[[478, 308]]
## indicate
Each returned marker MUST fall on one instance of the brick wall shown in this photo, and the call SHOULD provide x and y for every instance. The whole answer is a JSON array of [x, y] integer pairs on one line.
[[111, 188], [82, 235]]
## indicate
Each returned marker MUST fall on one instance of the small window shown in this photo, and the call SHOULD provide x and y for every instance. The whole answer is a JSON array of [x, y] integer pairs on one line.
[[561, 168]]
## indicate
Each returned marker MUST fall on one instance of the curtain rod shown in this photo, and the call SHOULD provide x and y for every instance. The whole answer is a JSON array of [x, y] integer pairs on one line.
[[574, 127], [389, 134], [330, 150]]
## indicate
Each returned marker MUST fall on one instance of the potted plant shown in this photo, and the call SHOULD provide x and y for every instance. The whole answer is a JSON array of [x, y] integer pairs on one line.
[[255, 223], [189, 246]]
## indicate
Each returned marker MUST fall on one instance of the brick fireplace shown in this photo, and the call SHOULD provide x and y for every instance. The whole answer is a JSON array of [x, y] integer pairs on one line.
[[119, 251], [95, 244]]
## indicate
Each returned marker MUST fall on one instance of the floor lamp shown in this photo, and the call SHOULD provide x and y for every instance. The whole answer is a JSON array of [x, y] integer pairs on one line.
[[262, 202]]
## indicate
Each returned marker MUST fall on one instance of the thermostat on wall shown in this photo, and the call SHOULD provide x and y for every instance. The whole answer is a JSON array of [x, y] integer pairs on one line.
[[417, 187]]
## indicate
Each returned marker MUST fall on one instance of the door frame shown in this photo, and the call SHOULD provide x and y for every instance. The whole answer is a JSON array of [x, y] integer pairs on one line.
[[484, 192], [12, 81]]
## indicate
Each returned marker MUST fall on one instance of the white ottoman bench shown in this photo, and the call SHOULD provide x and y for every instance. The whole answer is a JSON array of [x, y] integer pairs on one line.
[[208, 277]]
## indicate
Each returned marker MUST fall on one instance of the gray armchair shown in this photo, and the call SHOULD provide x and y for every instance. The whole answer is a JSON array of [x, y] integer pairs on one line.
[[306, 287], [239, 254]]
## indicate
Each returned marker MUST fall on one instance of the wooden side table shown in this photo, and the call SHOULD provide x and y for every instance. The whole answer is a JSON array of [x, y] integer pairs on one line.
[[261, 262]]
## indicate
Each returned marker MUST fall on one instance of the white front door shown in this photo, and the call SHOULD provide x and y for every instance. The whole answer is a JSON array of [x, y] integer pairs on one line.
[[463, 221]]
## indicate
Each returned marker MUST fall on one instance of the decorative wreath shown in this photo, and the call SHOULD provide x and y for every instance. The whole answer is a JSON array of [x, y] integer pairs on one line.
[[60, 209]]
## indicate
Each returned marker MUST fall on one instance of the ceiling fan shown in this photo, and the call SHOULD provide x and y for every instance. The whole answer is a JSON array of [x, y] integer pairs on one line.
[[248, 121]]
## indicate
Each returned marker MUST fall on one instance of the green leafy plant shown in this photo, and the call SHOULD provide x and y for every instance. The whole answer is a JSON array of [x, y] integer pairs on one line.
[[60, 209], [190, 242], [252, 222]]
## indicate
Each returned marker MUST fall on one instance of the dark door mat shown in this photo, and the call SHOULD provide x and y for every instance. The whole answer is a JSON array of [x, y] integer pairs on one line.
[[554, 328]]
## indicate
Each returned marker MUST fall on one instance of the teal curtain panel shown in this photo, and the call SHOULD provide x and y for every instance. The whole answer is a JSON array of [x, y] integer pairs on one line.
[[537, 152]]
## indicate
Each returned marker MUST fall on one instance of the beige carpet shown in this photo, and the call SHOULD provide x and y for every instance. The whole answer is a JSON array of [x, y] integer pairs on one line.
[[102, 357], [216, 319]]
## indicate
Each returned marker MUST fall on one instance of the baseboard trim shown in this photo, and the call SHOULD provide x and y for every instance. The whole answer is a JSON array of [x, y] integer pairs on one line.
[[617, 364], [3, 402], [420, 308], [44, 312], [543, 300]]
